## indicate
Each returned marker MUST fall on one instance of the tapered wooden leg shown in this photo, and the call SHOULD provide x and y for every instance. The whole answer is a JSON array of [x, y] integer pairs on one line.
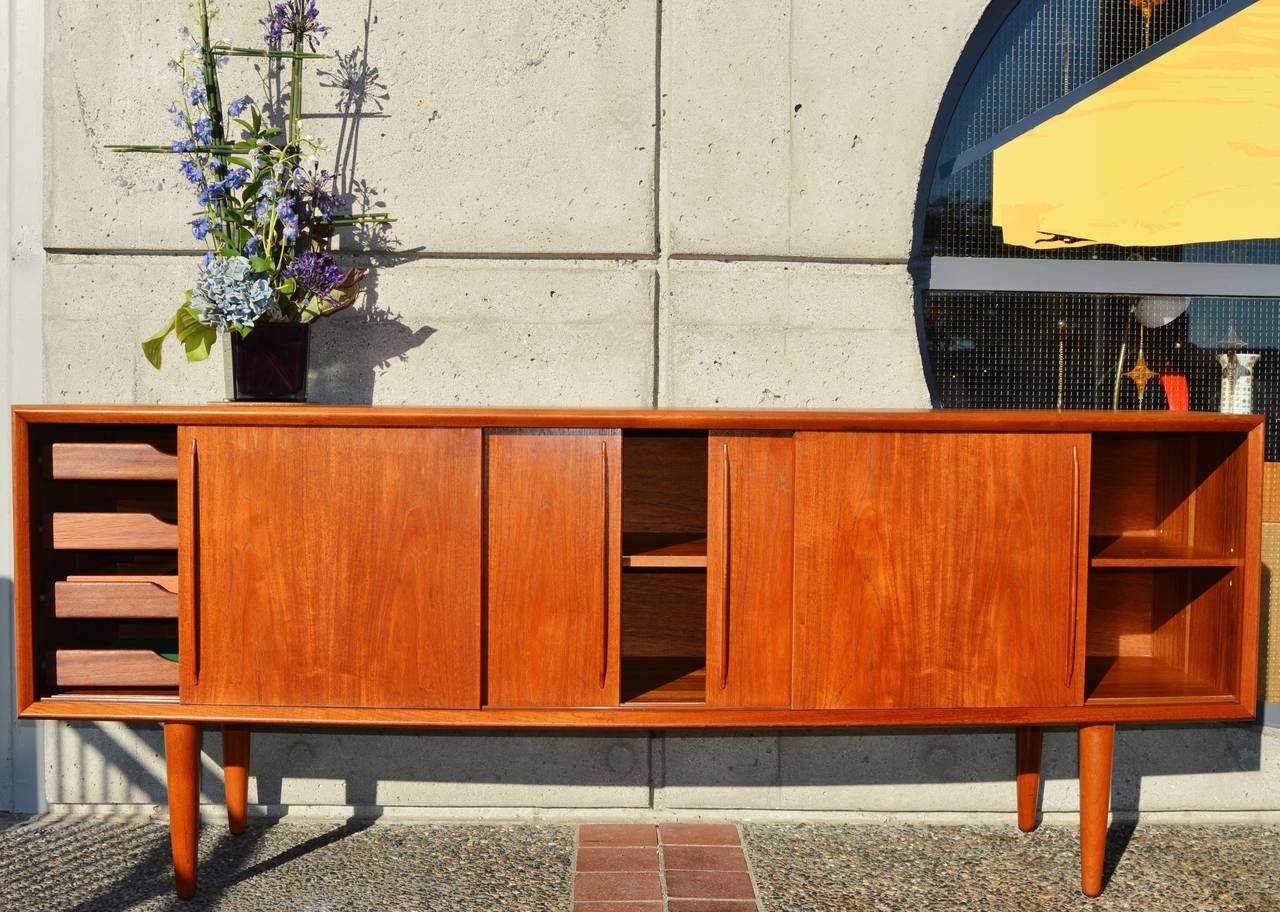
[[235, 773], [182, 756], [1096, 744], [1029, 740]]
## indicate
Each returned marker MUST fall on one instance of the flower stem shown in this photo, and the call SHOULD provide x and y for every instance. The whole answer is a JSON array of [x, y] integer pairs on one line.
[[295, 78]]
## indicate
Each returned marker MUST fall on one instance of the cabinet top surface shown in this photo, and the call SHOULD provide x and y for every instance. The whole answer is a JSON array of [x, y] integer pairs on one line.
[[759, 419]]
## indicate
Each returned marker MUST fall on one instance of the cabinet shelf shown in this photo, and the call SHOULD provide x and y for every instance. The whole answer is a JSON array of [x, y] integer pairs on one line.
[[1145, 679], [665, 680], [1153, 551], [670, 550]]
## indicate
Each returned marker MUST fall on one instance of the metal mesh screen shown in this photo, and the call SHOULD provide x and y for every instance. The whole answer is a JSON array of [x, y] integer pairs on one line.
[[1045, 50], [1023, 350]]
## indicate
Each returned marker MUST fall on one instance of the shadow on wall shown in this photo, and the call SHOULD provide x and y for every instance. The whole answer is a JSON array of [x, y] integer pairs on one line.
[[350, 350], [372, 771]]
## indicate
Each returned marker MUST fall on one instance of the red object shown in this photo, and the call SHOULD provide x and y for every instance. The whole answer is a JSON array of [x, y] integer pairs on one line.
[[1176, 391]]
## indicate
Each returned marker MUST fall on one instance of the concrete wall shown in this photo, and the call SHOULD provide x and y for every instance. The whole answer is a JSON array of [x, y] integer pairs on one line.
[[601, 202], [21, 259]]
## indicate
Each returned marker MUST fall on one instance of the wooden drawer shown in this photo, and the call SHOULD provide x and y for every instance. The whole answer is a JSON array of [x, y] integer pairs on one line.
[[113, 668], [109, 531], [135, 461], [116, 597]]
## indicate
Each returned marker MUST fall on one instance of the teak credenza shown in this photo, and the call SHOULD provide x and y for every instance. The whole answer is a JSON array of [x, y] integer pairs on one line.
[[309, 565]]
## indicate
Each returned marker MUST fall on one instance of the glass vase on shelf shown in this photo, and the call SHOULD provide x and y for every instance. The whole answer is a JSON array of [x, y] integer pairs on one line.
[[270, 363]]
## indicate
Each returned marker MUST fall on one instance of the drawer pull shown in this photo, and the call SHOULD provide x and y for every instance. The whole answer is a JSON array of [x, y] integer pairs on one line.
[[112, 462], [113, 531], [113, 668], [118, 597]]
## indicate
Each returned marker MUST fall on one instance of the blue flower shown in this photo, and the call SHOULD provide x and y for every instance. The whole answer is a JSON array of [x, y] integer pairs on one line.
[[254, 247], [200, 228], [192, 171], [204, 130], [207, 259], [237, 178], [229, 294], [195, 94], [237, 107], [183, 145]]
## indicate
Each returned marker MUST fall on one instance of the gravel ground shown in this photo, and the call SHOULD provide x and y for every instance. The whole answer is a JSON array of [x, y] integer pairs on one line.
[[922, 869], [88, 864]]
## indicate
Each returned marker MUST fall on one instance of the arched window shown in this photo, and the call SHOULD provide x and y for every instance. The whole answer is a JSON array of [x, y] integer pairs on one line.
[[1094, 234]]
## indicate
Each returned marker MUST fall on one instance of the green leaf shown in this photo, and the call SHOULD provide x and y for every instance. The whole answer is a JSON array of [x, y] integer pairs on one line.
[[199, 342], [239, 162], [188, 323], [260, 264], [288, 286], [151, 346]]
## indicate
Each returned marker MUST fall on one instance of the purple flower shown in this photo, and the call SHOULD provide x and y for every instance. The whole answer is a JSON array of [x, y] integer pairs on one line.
[[237, 107], [316, 273], [200, 227], [293, 19], [315, 189]]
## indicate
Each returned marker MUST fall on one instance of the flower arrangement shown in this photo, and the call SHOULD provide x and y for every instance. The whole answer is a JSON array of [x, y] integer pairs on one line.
[[268, 209]]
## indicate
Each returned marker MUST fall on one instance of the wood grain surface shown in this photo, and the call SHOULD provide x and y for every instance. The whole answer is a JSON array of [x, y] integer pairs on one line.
[[750, 490], [337, 567], [554, 565], [967, 420], [937, 570], [122, 597], [113, 668], [113, 461], [112, 531]]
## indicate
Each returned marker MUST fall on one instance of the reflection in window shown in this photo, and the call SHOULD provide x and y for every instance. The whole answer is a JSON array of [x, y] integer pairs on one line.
[[1044, 51], [1024, 350]]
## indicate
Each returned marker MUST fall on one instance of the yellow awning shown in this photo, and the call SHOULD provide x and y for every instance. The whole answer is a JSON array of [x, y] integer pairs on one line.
[[1184, 150]]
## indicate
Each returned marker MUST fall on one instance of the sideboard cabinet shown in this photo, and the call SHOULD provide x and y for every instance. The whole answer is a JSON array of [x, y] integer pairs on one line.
[[249, 566]]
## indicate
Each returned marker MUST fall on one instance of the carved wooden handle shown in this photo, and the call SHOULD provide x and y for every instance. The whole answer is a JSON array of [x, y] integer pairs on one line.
[[604, 563], [724, 570], [1075, 563], [193, 517]]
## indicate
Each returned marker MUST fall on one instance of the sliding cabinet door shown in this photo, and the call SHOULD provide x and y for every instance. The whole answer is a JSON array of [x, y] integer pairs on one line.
[[750, 487], [939, 570], [554, 567], [331, 566]]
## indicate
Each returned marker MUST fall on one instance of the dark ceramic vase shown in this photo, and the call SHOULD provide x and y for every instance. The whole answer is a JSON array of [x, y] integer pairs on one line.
[[270, 364]]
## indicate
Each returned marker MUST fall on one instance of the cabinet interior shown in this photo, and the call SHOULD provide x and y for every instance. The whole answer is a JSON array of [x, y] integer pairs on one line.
[[664, 561], [1163, 612], [104, 560]]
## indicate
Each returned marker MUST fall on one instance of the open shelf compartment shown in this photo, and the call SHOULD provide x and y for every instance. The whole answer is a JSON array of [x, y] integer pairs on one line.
[[104, 562], [1162, 635], [664, 560], [1167, 500], [1166, 546]]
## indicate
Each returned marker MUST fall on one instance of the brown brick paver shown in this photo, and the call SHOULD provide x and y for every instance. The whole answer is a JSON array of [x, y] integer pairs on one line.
[[675, 867]]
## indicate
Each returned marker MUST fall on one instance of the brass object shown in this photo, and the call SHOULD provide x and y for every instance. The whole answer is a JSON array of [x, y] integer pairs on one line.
[[1148, 7], [1141, 374]]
